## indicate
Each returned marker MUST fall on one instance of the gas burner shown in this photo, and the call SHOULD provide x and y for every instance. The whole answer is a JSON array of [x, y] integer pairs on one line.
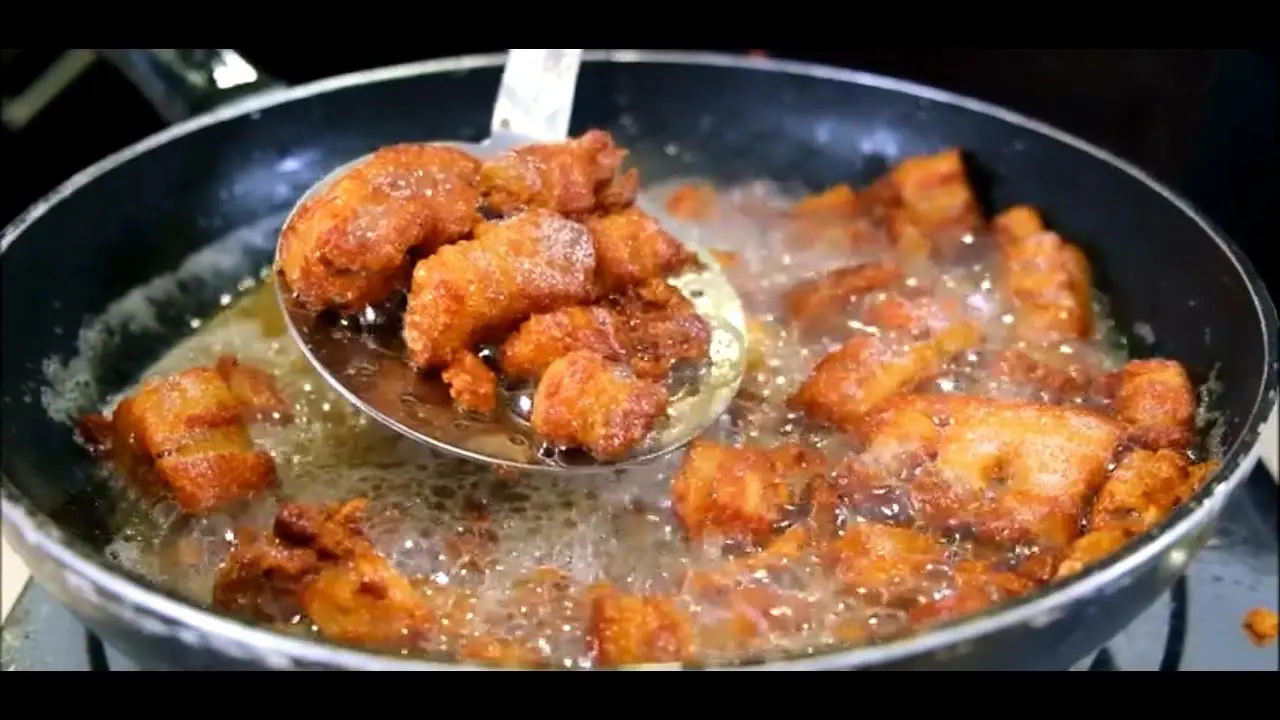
[[1195, 626]]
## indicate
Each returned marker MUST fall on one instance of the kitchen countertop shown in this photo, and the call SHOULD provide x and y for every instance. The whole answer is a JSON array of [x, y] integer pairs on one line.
[[14, 575]]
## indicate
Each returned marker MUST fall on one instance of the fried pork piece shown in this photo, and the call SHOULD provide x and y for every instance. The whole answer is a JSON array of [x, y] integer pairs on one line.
[[651, 327], [1262, 626], [472, 385], [904, 568], [692, 202], [1049, 284], [851, 381], [1156, 399], [627, 629], [589, 402], [1017, 224], [1050, 377], [255, 391], [911, 312], [1009, 472], [347, 247], [317, 561], [740, 492], [534, 262], [574, 177], [930, 204], [1142, 490], [822, 300], [837, 201], [632, 247], [184, 435], [833, 218]]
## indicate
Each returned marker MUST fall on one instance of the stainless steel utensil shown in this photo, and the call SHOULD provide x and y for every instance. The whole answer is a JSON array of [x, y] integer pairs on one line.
[[365, 361]]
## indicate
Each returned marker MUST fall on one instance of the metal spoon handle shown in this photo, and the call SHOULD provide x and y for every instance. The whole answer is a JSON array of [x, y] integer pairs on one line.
[[535, 99]]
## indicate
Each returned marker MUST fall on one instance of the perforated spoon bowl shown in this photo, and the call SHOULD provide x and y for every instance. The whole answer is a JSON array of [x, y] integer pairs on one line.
[[367, 366]]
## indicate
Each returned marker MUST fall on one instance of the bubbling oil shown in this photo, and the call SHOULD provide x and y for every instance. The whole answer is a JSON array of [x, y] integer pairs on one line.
[[614, 525]]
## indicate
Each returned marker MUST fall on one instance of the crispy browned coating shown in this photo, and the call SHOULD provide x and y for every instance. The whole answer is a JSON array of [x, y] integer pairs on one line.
[[1157, 400], [911, 313], [1010, 472], [184, 435], [532, 263], [628, 629], [255, 391], [317, 561], [1142, 490], [1048, 282], [348, 246], [651, 327], [589, 402], [631, 247], [739, 492], [573, 178], [869, 369], [928, 204], [692, 202], [891, 565], [936, 193], [1054, 377], [1261, 626], [813, 303], [1017, 224], [472, 385]]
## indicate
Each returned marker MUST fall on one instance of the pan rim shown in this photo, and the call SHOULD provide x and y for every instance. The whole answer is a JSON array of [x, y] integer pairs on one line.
[[1035, 609]]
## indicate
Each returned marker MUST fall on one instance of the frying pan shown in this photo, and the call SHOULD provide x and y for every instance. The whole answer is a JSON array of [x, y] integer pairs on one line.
[[1185, 290]]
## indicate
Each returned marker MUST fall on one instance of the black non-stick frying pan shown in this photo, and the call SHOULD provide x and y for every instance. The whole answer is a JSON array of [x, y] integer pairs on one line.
[[1182, 287]]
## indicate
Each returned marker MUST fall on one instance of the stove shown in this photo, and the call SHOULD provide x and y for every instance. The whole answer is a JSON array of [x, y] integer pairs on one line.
[[1195, 626]]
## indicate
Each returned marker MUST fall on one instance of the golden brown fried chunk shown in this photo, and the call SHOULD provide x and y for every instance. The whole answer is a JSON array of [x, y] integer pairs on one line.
[[911, 313], [1261, 625], [1156, 399], [547, 337], [935, 206], [898, 566], [1016, 225], [1052, 379], [739, 492], [1048, 282], [184, 435], [625, 629], [255, 391], [534, 262], [347, 247], [1011, 472], [869, 369], [1142, 490], [651, 327], [632, 247], [1089, 549], [692, 202], [589, 402], [472, 385], [816, 302], [317, 561], [1144, 487], [574, 177], [837, 202]]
